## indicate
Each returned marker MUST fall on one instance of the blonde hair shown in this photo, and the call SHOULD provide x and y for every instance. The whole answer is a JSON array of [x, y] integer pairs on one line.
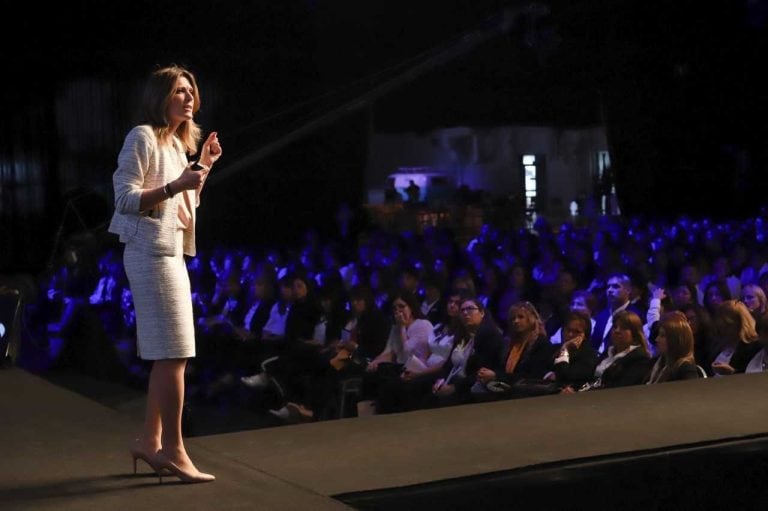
[[735, 315], [158, 91], [529, 309], [761, 298]]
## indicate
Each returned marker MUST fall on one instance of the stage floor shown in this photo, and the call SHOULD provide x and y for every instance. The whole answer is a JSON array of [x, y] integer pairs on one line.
[[60, 450]]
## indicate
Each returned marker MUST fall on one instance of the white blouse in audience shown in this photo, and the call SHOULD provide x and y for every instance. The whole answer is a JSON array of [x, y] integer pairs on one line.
[[440, 344], [759, 362], [276, 322], [416, 342], [724, 357], [611, 358]]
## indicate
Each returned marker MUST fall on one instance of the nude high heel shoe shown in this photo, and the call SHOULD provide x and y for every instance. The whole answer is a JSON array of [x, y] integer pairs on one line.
[[137, 453], [162, 462]]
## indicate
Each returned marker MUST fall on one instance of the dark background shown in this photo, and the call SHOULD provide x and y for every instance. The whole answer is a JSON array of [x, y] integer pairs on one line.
[[679, 86]]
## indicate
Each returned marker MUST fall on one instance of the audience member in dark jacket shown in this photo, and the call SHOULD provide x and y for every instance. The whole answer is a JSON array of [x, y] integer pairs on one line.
[[365, 334], [675, 345], [575, 362], [617, 295], [627, 361], [529, 355], [479, 343]]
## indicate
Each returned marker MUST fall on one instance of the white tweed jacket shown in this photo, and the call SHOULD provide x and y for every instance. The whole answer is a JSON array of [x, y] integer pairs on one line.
[[144, 164]]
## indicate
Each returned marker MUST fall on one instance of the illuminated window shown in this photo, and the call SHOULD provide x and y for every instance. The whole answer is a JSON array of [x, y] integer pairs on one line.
[[604, 180], [529, 181], [603, 162]]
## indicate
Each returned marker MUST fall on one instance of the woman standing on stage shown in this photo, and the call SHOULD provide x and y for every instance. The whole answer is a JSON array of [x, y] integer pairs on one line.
[[156, 193]]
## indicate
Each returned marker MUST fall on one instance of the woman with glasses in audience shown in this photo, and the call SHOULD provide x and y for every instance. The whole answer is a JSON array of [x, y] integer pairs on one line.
[[406, 352], [407, 391], [477, 344], [674, 343], [409, 335]]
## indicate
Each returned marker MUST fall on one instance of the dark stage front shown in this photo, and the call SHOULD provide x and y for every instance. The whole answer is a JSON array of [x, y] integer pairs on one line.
[[687, 445]]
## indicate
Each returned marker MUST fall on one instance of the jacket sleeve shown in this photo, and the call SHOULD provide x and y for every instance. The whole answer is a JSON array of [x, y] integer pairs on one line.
[[631, 372], [489, 352], [132, 166], [688, 372], [743, 354]]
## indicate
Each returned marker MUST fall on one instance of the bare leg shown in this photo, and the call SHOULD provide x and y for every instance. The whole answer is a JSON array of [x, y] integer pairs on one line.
[[151, 435], [167, 391]]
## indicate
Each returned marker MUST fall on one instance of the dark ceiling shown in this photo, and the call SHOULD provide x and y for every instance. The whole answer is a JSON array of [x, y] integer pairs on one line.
[[678, 85]]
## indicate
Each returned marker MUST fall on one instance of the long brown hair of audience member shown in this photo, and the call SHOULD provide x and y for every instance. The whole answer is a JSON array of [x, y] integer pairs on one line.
[[679, 344], [632, 322]]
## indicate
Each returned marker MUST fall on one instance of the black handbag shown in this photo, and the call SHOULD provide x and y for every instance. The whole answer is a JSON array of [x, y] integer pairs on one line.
[[389, 369], [530, 387]]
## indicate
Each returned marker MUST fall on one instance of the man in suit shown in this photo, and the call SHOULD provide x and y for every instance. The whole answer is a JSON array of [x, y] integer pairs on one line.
[[433, 305], [617, 294]]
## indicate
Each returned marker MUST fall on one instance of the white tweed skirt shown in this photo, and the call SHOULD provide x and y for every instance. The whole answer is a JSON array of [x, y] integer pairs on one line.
[[162, 298]]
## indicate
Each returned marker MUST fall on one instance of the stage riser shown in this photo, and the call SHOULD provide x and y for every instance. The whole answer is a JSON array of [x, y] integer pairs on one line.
[[727, 475]]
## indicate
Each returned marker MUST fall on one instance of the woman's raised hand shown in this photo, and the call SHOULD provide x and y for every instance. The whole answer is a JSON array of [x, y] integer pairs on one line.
[[211, 150]]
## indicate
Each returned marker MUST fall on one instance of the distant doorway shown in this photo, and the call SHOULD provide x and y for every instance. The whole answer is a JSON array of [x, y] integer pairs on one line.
[[534, 185]]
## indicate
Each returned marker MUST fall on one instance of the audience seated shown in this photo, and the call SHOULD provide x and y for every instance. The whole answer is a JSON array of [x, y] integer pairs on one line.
[[575, 362], [737, 336], [528, 354], [759, 362], [715, 293], [627, 361], [432, 305], [272, 339], [583, 301], [617, 293], [320, 339], [701, 326], [674, 343], [478, 343], [754, 298], [407, 349]]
